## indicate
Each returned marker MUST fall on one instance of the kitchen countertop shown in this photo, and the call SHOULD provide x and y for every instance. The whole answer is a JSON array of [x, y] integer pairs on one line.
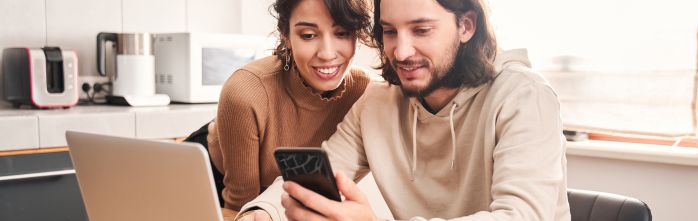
[[33, 128]]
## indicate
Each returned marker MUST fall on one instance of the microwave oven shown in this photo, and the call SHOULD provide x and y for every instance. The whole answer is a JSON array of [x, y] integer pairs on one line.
[[192, 67]]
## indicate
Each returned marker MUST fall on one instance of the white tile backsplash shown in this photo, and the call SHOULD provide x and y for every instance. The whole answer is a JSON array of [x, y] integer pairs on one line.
[[74, 24], [255, 17], [154, 16], [214, 16], [22, 23]]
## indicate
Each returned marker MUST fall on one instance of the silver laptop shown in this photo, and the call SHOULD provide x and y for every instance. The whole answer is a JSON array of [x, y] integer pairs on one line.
[[130, 179]]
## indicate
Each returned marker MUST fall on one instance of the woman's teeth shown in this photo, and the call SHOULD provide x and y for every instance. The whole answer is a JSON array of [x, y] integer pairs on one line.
[[327, 70]]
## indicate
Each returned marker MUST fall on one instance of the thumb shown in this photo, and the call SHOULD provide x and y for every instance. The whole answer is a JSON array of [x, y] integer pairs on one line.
[[349, 189], [261, 215], [244, 218]]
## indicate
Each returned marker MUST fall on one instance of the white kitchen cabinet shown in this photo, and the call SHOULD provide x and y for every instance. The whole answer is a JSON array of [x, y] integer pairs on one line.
[[18, 131], [175, 121], [31, 129]]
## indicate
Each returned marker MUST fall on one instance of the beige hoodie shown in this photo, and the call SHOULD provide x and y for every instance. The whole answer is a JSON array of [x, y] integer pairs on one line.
[[495, 152]]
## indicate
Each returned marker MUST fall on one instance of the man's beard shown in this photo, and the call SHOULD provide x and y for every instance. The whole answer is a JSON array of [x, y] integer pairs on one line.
[[442, 76]]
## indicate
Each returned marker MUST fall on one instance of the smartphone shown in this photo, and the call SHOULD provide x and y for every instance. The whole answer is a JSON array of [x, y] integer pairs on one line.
[[309, 167]]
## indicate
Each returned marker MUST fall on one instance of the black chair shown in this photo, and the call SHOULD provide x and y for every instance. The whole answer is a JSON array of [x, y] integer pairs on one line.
[[597, 206]]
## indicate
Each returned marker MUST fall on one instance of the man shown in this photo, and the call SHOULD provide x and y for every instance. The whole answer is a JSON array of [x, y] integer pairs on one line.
[[453, 134]]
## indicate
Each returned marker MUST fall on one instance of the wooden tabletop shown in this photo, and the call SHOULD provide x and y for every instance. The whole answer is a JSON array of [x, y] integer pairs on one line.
[[32, 151]]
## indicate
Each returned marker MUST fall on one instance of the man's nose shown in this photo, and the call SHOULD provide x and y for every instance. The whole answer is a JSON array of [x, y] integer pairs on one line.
[[404, 48]]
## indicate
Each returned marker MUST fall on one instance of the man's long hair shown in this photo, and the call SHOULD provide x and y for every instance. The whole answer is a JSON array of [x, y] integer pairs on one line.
[[474, 59]]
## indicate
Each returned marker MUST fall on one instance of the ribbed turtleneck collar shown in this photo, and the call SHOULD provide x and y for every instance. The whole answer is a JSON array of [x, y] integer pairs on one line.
[[303, 94]]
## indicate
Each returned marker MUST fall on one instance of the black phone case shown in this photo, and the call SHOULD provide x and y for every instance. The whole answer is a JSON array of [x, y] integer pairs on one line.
[[308, 167]]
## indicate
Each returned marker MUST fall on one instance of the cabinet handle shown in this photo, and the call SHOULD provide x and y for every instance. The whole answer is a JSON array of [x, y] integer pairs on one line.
[[36, 175]]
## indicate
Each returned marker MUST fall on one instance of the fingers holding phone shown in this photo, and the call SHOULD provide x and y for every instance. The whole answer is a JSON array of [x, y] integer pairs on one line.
[[298, 196], [295, 210], [308, 167], [350, 190], [313, 189], [303, 204]]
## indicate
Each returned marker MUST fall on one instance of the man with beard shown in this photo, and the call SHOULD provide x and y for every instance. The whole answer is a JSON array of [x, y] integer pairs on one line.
[[459, 131]]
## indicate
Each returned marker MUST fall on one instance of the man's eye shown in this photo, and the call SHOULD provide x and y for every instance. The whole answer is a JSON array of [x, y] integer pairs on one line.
[[308, 36], [422, 30], [342, 34]]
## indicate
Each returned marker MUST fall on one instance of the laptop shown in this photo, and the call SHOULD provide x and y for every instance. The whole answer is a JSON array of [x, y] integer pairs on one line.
[[131, 179]]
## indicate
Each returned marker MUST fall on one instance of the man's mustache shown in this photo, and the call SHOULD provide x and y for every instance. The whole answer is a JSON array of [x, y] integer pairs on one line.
[[422, 62]]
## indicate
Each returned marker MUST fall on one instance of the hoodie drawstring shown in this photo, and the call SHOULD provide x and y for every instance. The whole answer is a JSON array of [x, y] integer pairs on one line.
[[453, 136], [414, 140]]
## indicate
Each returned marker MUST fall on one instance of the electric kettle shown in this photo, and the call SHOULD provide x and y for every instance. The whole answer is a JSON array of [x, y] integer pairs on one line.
[[134, 81]]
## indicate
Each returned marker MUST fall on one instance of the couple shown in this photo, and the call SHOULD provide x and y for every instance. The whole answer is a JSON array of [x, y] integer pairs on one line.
[[459, 130]]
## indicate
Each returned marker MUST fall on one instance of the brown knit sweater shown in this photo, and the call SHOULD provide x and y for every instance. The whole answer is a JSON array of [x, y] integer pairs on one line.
[[263, 107]]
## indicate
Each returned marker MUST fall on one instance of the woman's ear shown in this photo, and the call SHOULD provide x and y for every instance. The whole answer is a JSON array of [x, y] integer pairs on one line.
[[285, 42], [467, 25]]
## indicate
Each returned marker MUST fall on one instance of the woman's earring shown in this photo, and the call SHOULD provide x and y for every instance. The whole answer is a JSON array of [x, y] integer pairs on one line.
[[288, 59]]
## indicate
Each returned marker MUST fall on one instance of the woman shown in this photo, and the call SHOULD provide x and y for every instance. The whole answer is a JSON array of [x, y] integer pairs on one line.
[[295, 98]]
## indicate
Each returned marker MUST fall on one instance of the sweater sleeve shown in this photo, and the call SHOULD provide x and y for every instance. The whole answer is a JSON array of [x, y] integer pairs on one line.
[[242, 113], [345, 147], [529, 159]]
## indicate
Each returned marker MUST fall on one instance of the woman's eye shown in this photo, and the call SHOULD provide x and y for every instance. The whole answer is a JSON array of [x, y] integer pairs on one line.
[[307, 36]]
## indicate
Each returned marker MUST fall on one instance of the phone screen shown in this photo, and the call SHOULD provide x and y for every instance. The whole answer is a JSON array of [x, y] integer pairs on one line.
[[308, 167]]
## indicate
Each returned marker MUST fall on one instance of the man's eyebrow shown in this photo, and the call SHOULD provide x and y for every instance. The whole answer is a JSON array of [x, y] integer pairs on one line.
[[304, 23], [422, 20], [415, 21], [385, 23]]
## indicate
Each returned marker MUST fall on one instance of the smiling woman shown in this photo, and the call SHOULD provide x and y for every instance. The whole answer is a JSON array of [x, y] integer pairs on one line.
[[321, 49], [295, 98]]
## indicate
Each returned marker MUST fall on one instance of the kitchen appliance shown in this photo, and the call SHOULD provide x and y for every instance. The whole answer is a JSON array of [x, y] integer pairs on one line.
[[41, 77], [133, 83], [192, 67]]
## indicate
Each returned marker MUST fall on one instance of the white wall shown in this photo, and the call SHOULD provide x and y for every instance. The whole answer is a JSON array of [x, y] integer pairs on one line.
[[74, 24], [670, 190]]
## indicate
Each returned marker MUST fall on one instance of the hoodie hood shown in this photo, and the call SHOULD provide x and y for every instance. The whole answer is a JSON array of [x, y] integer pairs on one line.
[[502, 61]]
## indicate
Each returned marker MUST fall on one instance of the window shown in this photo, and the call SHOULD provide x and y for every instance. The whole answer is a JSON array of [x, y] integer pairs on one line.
[[619, 66]]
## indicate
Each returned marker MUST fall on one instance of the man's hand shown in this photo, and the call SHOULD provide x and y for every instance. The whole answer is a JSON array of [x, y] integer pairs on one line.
[[212, 133], [303, 204], [255, 215]]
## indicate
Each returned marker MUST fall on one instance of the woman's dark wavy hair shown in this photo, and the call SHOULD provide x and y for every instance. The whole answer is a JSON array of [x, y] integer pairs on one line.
[[474, 59], [353, 15]]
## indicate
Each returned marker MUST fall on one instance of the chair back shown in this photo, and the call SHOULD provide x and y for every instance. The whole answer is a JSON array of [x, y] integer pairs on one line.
[[598, 206]]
